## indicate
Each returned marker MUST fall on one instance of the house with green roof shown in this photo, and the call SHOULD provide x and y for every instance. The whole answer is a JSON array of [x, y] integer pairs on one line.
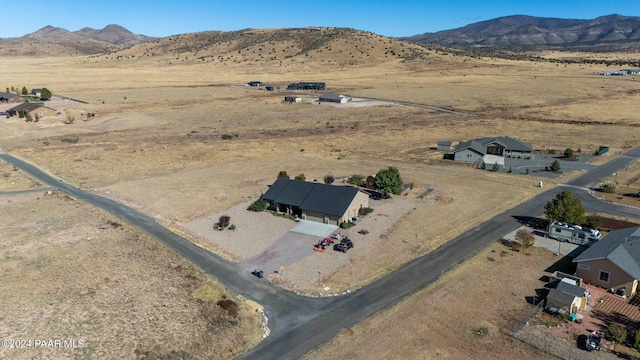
[[613, 262], [328, 204]]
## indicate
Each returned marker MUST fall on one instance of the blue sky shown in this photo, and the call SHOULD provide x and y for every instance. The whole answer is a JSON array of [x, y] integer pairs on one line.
[[390, 18]]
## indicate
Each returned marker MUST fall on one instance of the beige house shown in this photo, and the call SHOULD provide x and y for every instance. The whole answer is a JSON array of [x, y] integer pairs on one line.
[[328, 204], [613, 262], [36, 110]]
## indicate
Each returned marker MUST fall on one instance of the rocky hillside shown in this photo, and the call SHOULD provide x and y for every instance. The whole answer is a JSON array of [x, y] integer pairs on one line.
[[520, 30], [309, 46], [54, 41]]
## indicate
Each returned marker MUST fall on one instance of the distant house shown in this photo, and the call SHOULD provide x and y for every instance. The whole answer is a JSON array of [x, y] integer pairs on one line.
[[37, 110], [613, 262], [307, 85], [335, 98], [254, 83], [492, 150], [36, 92], [567, 296], [292, 99], [444, 145], [10, 97], [328, 204]]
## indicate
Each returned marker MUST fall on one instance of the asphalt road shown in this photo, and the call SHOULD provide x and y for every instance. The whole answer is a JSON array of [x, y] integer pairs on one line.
[[300, 324]]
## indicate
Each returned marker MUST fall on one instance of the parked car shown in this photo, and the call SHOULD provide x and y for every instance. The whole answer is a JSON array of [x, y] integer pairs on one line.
[[258, 273], [344, 245]]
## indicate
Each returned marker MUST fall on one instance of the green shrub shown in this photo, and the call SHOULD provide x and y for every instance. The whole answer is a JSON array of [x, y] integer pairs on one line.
[[347, 224], [365, 211], [357, 180], [226, 136], [232, 227], [617, 333], [608, 188], [258, 205]]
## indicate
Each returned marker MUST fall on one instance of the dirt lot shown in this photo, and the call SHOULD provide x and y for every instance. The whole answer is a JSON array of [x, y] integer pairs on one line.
[[181, 144], [70, 272], [458, 317]]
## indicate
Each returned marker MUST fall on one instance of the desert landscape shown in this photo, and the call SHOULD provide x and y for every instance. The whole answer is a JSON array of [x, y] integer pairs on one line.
[[175, 133]]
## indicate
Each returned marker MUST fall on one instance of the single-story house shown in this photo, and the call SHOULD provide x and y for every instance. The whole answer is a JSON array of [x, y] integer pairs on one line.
[[613, 262], [10, 97], [328, 204], [34, 109], [292, 99], [36, 92], [445, 145], [492, 150], [336, 98], [254, 83], [307, 85], [568, 296]]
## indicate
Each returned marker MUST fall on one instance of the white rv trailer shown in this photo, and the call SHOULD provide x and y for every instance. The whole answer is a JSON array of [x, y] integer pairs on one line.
[[573, 233]]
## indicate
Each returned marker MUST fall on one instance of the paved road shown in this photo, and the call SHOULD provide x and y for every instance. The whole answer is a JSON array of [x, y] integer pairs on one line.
[[300, 324]]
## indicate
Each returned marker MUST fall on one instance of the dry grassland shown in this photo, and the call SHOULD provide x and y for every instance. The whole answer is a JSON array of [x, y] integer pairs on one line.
[[457, 317], [69, 272], [156, 144]]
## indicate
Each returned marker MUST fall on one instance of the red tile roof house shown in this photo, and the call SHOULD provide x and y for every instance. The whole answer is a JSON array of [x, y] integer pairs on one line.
[[613, 262]]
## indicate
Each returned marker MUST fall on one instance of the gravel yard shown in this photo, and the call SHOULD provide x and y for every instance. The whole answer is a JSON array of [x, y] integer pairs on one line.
[[262, 239]]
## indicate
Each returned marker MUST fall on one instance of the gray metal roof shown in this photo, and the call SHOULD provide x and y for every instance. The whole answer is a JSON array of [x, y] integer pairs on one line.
[[471, 145], [323, 198], [574, 290], [5, 95], [620, 247], [509, 143], [27, 106], [559, 298], [445, 143], [480, 145]]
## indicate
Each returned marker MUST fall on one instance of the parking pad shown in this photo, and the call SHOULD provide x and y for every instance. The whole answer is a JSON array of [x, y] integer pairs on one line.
[[314, 228]]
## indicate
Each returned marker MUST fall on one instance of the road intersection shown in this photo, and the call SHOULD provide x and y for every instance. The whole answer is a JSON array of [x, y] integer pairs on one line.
[[300, 324]]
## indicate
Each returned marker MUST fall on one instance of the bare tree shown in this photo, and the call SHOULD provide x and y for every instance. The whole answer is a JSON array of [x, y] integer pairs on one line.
[[526, 238]]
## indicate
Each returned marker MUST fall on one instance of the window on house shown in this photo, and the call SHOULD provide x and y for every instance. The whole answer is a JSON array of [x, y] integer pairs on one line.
[[604, 276]]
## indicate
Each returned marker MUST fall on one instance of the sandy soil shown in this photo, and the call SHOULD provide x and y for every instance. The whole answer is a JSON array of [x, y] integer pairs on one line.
[[466, 307], [70, 272]]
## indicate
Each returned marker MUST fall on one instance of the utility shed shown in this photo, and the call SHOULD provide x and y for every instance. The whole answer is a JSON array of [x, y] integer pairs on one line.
[[445, 145]]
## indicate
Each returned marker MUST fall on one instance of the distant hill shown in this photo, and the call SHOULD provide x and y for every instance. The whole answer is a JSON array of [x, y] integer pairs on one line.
[[54, 41], [521, 30], [310, 47]]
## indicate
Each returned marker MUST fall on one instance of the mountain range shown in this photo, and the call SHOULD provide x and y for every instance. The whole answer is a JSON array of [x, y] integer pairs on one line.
[[55, 41], [512, 32], [522, 30]]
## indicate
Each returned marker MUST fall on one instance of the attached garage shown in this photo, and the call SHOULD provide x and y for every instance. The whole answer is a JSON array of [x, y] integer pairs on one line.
[[328, 204]]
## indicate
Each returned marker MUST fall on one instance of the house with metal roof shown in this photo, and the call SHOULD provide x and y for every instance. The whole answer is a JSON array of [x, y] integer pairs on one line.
[[613, 262], [35, 109], [10, 97], [328, 204], [336, 98], [492, 150]]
